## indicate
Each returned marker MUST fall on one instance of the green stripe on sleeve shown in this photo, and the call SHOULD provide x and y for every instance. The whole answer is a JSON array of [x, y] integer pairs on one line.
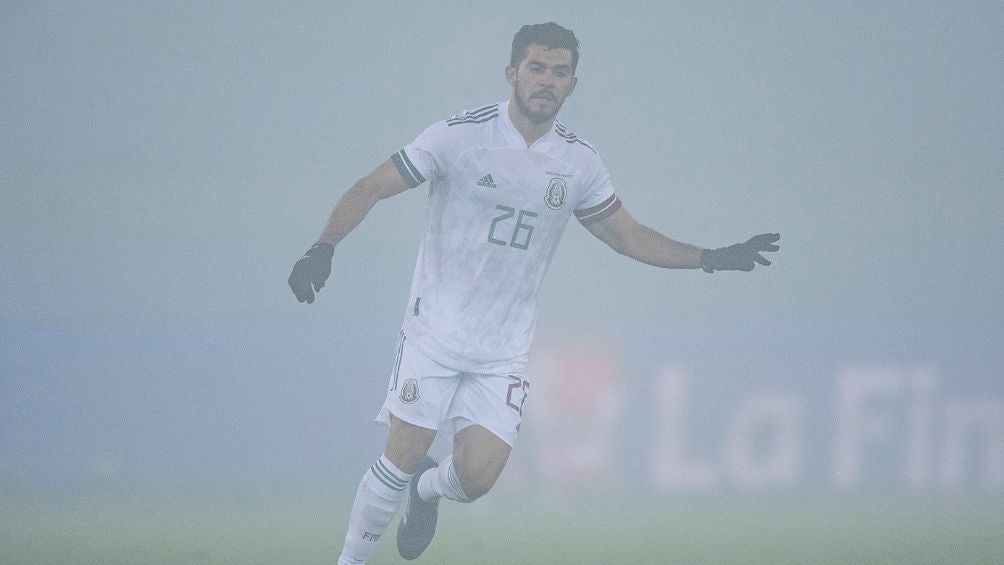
[[407, 169]]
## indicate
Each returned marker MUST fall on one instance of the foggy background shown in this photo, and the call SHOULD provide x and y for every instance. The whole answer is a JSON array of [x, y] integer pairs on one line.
[[163, 165]]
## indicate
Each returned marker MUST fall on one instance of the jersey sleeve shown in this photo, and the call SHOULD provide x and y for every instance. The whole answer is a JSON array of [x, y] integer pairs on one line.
[[425, 158], [599, 200]]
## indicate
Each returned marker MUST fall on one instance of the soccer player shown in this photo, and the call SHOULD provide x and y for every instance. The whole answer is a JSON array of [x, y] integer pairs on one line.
[[504, 179]]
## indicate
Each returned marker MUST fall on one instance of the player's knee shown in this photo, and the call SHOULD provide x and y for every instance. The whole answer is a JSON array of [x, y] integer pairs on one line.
[[474, 490], [476, 481]]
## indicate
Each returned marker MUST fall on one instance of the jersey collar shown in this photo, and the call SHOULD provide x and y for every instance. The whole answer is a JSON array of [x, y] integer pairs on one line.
[[515, 139]]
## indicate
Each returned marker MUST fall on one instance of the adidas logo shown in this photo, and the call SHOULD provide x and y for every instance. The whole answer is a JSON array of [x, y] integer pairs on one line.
[[486, 181]]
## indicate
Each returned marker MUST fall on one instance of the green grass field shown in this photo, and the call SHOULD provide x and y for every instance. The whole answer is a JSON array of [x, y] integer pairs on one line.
[[687, 532]]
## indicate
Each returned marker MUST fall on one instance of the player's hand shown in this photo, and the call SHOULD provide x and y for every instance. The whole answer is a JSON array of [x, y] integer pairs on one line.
[[311, 270], [740, 257]]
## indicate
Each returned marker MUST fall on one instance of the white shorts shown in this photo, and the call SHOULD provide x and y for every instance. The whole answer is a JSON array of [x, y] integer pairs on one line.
[[427, 394]]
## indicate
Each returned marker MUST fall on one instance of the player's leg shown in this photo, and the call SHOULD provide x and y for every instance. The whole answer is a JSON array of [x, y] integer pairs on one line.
[[478, 458], [418, 390], [488, 414], [407, 444], [487, 410], [418, 524], [382, 489]]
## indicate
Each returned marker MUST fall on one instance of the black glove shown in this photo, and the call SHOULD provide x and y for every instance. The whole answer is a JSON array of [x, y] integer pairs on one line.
[[311, 269], [739, 257]]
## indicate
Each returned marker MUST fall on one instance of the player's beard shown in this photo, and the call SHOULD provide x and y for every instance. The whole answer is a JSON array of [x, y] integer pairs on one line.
[[536, 117]]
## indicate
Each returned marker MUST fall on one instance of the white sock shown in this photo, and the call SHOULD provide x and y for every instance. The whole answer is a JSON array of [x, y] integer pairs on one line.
[[377, 499], [441, 482]]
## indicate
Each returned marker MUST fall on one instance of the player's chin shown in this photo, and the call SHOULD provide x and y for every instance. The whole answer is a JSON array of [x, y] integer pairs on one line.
[[541, 117], [543, 113]]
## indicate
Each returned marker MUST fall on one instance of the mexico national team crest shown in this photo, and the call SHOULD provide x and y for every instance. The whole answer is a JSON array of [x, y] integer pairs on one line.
[[409, 392], [556, 192]]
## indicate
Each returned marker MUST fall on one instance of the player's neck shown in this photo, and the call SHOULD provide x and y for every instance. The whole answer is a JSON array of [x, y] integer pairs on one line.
[[530, 130]]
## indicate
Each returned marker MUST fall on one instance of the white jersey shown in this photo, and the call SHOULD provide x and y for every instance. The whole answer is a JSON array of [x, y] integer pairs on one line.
[[496, 212]]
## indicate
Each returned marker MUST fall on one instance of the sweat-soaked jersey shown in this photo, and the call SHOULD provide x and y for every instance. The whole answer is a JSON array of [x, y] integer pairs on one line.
[[496, 212]]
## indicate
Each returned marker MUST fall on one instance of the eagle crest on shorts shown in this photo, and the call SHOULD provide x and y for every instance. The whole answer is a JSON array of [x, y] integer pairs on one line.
[[409, 392]]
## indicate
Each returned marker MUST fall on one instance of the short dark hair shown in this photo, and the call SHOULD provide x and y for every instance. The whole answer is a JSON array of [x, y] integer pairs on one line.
[[550, 35]]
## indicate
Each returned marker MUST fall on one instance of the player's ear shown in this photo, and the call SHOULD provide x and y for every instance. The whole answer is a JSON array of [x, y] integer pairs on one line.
[[510, 75], [575, 81]]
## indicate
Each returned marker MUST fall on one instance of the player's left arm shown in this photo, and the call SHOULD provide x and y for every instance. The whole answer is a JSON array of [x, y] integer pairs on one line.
[[627, 236]]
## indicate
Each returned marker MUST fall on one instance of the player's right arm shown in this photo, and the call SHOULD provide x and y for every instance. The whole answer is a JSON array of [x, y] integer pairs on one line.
[[312, 270], [385, 181]]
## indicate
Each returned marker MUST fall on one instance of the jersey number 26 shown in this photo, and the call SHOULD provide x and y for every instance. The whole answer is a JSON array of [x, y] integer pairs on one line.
[[521, 233]]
